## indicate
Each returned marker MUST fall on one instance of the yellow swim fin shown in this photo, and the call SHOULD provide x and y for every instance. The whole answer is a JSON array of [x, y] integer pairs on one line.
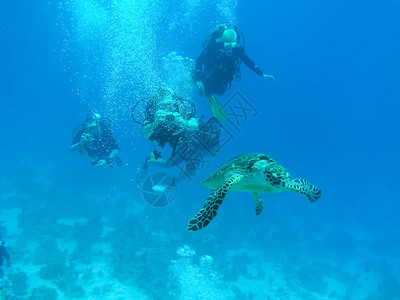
[[217, 109]]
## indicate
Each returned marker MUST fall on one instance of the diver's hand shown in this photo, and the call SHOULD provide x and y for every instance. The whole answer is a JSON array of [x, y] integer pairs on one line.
[[101, 163], [84, 138], [200, 85], [269, 76]]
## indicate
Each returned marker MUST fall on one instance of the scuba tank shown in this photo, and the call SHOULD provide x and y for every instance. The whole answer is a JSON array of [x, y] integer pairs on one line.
[[187, 105]]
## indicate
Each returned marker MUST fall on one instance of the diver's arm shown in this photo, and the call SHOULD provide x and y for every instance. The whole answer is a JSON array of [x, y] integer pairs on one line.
[[197, 72], [79, 145], [113, 154], [199, 66], [256, 69], [74, 147], [113, 147], [114, 151], [251, 64], [108, 160], [6, 255]]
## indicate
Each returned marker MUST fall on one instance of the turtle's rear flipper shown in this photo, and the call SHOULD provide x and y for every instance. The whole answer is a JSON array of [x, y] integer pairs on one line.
[[302, 186], [258, 203], [213, 202]]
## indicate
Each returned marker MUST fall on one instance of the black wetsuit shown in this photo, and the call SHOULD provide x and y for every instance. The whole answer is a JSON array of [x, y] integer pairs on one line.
[[166, 132], [217, 65], [101, 146]]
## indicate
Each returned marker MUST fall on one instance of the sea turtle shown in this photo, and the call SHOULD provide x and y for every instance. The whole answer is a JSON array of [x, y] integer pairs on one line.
[[251, 172]]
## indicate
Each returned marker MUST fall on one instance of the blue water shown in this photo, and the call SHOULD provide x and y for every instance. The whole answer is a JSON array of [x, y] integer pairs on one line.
[[78, 232]]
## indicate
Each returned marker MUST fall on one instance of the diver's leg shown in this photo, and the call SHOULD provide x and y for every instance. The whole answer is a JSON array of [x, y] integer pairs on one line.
[[213, 86], [217, 109]]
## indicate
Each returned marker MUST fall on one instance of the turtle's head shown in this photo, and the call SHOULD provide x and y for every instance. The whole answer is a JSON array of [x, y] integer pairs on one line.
[[276, 175]]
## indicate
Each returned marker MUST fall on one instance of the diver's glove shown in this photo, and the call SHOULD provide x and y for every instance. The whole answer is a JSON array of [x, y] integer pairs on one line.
[[118, 161], [155, 155], [84, 139], [268, 76], [109, 161], [101, 163], [200, 85]]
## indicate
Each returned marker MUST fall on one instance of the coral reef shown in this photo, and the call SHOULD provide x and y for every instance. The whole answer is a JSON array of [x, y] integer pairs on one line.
[[195, 280], [43, 293], [19, 282]]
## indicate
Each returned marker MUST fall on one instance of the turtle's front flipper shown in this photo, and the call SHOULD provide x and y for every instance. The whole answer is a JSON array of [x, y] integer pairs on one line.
[[213, 202], [302, 186], [258, 203]]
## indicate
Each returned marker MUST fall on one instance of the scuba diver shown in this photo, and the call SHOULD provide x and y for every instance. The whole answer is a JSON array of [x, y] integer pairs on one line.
[[3, 255], [219, 63], [189, 156], [168, 119], [6, 290], [94, 136]]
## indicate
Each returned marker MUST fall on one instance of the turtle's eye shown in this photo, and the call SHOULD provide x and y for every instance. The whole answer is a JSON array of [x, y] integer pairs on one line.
[[272, 177]]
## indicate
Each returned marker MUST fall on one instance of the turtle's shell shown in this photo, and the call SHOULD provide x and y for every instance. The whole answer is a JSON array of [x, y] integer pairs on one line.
[[241, 162]]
